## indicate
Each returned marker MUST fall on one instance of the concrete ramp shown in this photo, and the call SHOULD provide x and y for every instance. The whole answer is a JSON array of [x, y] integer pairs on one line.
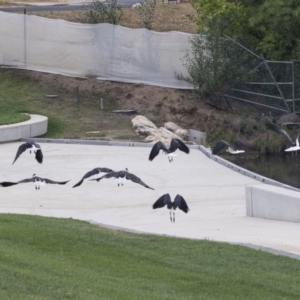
[[215, 194]]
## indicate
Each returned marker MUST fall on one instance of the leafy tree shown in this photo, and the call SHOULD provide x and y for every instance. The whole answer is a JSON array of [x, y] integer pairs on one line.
[[269, 27], [213, 63], [276, 26]]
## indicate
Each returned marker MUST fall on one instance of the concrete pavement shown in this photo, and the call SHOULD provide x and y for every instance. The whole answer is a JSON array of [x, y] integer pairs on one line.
[[214, 193]]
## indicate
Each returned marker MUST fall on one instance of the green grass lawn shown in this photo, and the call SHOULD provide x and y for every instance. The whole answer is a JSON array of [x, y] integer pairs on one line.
[[66, 118], [48, 258]]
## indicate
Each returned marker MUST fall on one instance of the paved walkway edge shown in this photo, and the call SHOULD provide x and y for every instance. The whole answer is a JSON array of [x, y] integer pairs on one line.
[[249, 245], [245, 172]]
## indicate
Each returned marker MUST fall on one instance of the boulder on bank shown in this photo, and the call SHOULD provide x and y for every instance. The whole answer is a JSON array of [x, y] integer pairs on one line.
[[148, 129]]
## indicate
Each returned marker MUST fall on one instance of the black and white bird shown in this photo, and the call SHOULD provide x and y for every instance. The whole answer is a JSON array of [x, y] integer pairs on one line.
[[93, 174], [236, 148], [166, 200], [123, 176], [37, 181], [175, 144], [294, 144], [31, 146]]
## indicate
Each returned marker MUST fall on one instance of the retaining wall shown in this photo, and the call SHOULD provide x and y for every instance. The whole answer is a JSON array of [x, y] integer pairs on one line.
[[36, 126], [271, 202]]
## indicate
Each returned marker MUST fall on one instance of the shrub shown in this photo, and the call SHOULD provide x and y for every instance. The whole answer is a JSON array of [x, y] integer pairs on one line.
[[146, 11], [213, 63], [104, 12]]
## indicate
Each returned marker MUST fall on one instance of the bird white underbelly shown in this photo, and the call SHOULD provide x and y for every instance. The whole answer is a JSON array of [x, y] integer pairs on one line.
[[121, 180], [172, 154], [232, 151], [38, 183]]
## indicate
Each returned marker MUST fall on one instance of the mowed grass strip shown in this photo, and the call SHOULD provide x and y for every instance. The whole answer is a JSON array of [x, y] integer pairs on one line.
[[49, 258]]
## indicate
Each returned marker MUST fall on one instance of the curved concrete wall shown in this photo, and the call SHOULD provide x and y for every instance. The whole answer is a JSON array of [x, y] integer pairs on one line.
[[36, 126]]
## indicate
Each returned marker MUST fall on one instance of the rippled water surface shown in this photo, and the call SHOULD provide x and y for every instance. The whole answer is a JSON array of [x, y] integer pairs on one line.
[[285, 169]]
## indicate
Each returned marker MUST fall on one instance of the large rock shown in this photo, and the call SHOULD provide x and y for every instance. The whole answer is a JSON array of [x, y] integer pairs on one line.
[[182, 133], [143, 126], [142, 121], [148, 129], [167, 134], [171, 126]]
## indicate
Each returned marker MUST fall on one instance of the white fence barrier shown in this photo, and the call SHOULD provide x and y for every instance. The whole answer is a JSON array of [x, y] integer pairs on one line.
[[105, 51]]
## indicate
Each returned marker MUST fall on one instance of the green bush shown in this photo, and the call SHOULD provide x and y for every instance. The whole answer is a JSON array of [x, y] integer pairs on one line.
[[105, 12], [146, 11], [213, 63]]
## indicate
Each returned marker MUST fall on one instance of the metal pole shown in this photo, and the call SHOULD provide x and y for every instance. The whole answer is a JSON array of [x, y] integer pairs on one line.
[[293, 86], [25, 40]]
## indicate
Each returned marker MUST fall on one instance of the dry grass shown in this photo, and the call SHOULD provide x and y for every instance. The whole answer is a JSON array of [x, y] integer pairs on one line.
[[169, 17]]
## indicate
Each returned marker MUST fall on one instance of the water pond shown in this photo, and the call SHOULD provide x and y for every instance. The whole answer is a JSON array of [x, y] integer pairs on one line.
[[285, 169]]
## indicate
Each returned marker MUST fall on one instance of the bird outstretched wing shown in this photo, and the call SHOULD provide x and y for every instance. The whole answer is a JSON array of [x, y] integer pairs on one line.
[[178, 144], [26, 180], [21, 149], [39, 156], [6, 183], [279, 130], [136, 179], [219, 146], [92, 173], [162, 201], [49, 181], [241, 144], [108, 175], [156, 148], [180, 203]]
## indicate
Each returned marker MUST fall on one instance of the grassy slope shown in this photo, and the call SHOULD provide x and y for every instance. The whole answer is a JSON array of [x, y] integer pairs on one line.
[[47, 258], [66, 117]]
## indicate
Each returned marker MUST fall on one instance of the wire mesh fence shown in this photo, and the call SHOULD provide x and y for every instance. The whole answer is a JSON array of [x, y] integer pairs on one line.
[[269, 84]]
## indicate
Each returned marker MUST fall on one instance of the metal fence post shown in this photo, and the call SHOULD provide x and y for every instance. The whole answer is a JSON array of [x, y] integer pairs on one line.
[[293, 84], [25, 40]]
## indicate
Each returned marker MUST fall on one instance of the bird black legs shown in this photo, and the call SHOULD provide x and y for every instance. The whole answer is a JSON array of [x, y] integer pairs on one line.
[[172, 220], [170, 158]]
